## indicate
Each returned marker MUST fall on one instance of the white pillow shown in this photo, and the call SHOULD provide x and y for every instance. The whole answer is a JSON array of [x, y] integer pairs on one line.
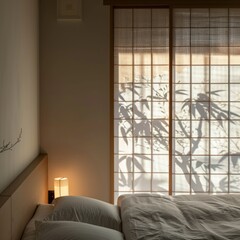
[[42, 211], [87, 210], [64, 230]]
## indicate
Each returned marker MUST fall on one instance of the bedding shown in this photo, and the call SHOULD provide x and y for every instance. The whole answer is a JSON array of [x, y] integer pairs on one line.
[[87, 210], [42, 211], [75, 217], [141, 217], [196, 217], [68, 230]]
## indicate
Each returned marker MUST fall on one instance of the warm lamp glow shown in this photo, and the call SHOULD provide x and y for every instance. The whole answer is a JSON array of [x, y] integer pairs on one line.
[[60, 187]]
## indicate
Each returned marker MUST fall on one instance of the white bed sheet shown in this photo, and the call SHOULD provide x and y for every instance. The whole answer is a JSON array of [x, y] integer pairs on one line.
[[42, 211]]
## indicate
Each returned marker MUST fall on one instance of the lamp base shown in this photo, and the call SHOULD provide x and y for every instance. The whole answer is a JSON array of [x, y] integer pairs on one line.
[[50, 196]]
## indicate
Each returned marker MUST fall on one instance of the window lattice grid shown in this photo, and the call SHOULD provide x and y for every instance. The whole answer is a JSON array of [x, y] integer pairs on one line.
[[206, 127], [205, 101], [141, 60]]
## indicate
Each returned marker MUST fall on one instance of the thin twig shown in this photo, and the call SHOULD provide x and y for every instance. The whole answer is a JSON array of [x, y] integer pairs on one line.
[[9, 146]]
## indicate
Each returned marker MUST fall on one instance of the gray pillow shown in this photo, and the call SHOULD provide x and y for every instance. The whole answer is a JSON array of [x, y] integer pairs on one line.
[[87, 210], [62, 230]]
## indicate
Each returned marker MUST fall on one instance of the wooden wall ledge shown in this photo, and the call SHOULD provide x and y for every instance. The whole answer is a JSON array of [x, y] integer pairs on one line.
[[13, 186]]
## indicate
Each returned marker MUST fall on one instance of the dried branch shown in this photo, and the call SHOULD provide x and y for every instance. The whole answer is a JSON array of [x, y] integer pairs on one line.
[[9, 146]]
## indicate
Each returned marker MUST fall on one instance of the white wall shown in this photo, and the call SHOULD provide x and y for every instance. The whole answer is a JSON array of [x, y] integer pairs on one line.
[[18, 85], [74, 88]]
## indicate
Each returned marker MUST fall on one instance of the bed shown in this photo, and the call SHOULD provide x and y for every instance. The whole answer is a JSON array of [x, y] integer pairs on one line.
[[140, 216], [25, 215]]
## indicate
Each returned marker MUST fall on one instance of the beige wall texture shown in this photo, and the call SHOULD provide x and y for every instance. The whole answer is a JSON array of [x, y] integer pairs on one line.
[[74, 97], [18, 85]]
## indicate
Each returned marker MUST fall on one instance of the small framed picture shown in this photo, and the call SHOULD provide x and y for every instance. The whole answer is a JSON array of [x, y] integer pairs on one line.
[[69, 10]]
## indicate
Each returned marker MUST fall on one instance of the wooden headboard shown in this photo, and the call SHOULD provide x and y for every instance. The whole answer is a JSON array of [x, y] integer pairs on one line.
[[20, 199]]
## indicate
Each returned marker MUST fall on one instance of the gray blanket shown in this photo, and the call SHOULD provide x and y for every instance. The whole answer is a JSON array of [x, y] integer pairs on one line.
[[156, 217]]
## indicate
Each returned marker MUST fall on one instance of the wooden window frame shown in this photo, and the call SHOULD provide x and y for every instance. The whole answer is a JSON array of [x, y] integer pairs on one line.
[[170, 4]]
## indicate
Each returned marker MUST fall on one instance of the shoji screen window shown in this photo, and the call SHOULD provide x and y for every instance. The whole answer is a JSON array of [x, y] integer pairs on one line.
[[141, 87], [206, 94], [176, 100]]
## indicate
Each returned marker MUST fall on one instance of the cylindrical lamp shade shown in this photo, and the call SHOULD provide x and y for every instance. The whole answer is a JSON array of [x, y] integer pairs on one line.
[[60, 187]]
